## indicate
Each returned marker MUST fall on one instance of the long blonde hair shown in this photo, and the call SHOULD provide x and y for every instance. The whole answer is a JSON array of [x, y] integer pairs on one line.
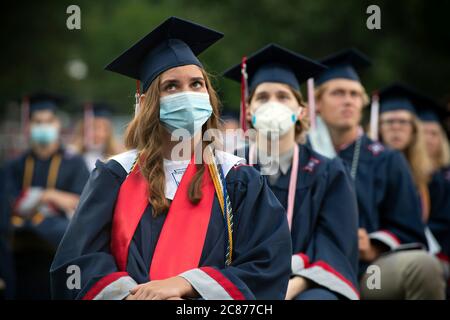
[[145, 133], [417, 156], [112, 147], [443, 159]]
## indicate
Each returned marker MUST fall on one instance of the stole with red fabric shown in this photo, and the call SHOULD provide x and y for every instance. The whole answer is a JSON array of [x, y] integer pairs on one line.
[[182, 237]]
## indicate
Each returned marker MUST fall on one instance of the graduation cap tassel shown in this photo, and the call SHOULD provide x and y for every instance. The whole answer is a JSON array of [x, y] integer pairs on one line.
[[137, 97], [25, 116], [88, 124], [311, 103], [244, 93], [374, 116]]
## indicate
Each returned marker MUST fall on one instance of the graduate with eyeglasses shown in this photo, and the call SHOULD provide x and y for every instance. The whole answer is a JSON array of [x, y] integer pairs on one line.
[[404, 112], [391, 232]]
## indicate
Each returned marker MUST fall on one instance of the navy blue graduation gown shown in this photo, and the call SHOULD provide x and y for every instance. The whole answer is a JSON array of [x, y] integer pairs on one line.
[[6, 265], [388, 203], [261, 265], [439, 219], [35, 241], [324, 225], [72, 176]]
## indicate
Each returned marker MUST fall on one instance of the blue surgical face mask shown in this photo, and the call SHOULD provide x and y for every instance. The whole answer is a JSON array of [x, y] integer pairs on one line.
[[185, 110], [44, 133]]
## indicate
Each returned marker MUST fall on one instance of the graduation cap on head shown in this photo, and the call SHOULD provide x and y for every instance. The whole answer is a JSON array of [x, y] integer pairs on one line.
[[430, 110], [399, 96], [102, 110], [343, 65], [274, 63], [175, 42], [40, 101]]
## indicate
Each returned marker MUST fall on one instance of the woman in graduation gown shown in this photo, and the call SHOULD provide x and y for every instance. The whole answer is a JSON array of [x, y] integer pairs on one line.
[[401, 129], [316, 192], [438, 150], [209, 229], [94, 136]]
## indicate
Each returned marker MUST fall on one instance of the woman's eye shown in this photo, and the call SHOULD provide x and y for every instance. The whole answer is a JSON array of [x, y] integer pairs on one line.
[[197, 84], [170, 87], [261, 98]]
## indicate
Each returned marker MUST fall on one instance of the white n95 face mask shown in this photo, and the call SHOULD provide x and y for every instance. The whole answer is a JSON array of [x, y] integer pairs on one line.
[[274, 117]]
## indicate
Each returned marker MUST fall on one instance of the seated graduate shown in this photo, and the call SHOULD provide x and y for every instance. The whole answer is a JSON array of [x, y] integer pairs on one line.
[[438, 149], [154, 224], [43, 187], [401, 129], [316, 192], [6, 265], [94, 135], [388, 205]]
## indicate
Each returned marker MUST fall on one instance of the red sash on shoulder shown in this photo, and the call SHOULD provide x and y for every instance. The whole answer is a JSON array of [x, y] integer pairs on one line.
[[183, 235], [130, 206]]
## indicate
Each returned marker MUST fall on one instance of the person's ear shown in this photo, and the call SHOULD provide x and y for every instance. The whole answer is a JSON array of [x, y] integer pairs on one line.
[[248, 115], [141, 99], [58, 123], [318, 105], [302, 112]]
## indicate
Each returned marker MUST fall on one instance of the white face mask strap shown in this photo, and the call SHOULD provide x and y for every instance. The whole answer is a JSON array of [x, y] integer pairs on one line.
[[137, 98]]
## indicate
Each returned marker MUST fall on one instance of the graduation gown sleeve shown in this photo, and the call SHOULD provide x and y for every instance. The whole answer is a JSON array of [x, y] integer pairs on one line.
[[400, 217], [330, 259], [439, 220], [85, 246]]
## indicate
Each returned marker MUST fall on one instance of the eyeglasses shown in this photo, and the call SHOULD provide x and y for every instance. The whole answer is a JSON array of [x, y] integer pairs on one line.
[[391, 122]]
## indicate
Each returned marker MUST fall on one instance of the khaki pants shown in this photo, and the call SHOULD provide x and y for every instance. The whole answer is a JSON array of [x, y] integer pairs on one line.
[[409, 275]]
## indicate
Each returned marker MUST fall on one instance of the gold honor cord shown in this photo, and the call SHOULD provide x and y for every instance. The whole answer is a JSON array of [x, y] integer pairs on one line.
[[52, 174], [28, 180], [226, 209]]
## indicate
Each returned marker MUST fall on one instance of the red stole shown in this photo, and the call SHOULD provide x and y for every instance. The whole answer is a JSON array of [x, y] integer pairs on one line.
[[183, 235]]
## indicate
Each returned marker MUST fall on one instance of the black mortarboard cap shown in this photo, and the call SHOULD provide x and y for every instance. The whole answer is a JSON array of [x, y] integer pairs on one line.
[[399, 96], [343, 65], [274, 63], [175, 42]]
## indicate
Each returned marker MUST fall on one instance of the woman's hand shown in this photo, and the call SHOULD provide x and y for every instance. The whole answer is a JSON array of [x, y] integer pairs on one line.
[[296, 286], [367, 251], [65, 201], [174, 288]]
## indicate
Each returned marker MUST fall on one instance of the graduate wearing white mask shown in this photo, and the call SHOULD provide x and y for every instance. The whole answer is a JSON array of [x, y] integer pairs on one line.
[[316, 192]]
